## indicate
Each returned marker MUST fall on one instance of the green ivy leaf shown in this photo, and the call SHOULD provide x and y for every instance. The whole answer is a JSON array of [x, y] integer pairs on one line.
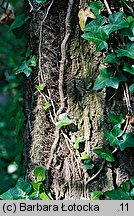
[[33, 61], [94, 25], [44, 196], [132, 192], [24, 68], [106, 79], [116, 131], [125, 186], [40, 173], [19, 21], [98, 38], [111, 58], [24, 186], [47, 105], [96, 7], [84, 156], [116, 22], [128, 141], [63, 121], [129, 32], [40, 87], [113, 135], [129, 68], [13, 194], [77, 141], [130, 19], [96, 195], [20, 191], [41, 1], [116, 119], [36, 188], [131, 88], [87, 164], [104, 154], [118, 194], [128, 51], [132, 180]]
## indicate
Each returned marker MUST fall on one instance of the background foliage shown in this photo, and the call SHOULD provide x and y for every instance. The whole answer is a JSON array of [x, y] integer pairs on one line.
[[11, 117]]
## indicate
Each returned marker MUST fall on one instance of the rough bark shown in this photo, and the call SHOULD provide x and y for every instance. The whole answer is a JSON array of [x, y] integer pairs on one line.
[[88, 109]]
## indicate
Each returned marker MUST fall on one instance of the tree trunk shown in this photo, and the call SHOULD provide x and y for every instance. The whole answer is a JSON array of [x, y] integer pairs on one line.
[[68, 67]]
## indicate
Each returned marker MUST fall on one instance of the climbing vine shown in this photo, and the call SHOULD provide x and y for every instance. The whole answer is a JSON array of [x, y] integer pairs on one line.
[[112, 32]]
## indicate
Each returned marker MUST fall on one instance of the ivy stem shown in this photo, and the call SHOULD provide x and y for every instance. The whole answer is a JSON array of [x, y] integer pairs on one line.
[[107, 7]]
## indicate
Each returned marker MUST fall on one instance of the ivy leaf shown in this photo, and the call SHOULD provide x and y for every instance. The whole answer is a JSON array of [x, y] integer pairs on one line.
[[111, 58], [13, 194], [105, 79], [96, 7], [125, 186], [132, 192], [118, 194], [24, 186], [130, 19], [36, 188], [116, 119], [129, 31], [87, 165], [40, 173], [19, 21], [63, 121], [33, 61], [113, 135], [128, 141], [129, 68], [132, 180], [84, 156], [83, 15], [77, 141], [20, 191], [131, 88], [116, 22], [40, 87], [98, 38], [128, 51], [44, 196], [47, 105], [96, 195], [41, 1], [116, 131], [104, 154], [94, 25], [24, 68]]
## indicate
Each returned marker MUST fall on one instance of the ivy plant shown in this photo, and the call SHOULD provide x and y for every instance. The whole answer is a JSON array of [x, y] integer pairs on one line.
[[29, 191], [100, 31], [125, 192]]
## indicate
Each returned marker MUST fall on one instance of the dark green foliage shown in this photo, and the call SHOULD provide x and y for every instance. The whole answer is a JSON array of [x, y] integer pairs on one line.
[[127, 51], [11, 115], [96, 195], [107, 155], [123, 193], [118, 194], [87, 164], [127, 141], [29, 191], [106, 79]]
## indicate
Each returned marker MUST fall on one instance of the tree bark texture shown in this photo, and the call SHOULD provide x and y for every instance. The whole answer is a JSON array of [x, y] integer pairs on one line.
[[75, 62]]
